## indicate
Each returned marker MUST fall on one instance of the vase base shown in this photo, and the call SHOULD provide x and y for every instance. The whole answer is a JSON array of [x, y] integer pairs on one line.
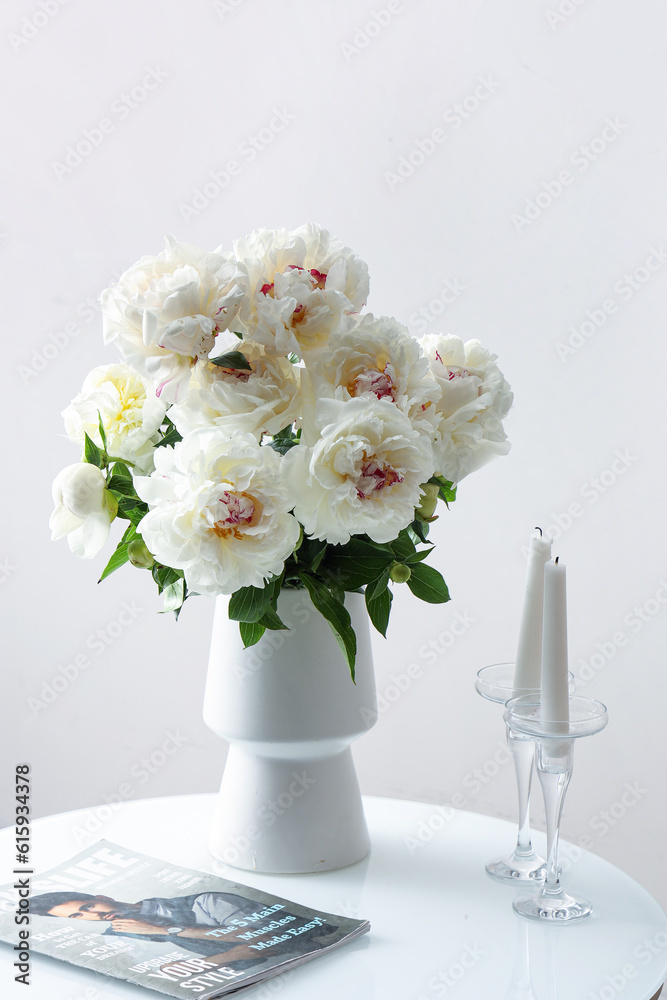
[[296, 815]]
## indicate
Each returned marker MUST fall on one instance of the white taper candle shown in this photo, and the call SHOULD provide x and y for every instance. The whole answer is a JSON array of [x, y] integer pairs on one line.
[[555, 701], [529, 650]]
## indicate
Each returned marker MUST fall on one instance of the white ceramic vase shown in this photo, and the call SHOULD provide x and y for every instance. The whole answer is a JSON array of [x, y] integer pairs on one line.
[[289, 799]]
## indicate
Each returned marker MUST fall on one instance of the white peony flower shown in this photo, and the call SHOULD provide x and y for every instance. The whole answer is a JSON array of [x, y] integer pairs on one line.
[[474, 399], [363, 474], [302, 286], [166, 311], [220, 511], [264, 400], [377, 357], [131, 413], [80, 511]]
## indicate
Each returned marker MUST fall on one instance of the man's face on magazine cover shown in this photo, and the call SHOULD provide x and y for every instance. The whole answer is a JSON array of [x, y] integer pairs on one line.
[[100, 908]]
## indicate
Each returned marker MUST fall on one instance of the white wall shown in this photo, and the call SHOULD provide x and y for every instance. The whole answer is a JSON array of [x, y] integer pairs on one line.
[[552, 87]]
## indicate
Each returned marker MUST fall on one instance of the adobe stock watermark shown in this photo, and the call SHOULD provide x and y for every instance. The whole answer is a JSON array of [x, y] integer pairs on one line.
[[453, 118], [32, 24], [473, 781], [563, 12], [625, 288], [427, 829], [246, 152], [605, 820], [635, 621], [97, 643], [120, 110], [267, 814], [591, 491], [377, 23], [347, 908], [447, 979], [644, 953], [7, 569], [451, 290], [139, 775], [402, 681], [254, 657], [59, 340], [273, 987], [581, 159], [225, 7]]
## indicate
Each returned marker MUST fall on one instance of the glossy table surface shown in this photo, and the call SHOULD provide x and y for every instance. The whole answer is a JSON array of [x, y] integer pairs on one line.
[[439, 926]]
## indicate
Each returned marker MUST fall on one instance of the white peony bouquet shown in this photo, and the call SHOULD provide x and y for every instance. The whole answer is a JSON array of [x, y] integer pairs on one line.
[[263, 432]]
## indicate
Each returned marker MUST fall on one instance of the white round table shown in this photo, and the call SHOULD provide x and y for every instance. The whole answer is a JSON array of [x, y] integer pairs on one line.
[[439, 926]]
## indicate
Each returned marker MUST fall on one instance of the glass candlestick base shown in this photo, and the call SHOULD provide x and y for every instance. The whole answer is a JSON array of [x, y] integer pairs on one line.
[[496, 683], [555, 746], [554, 906], [524, 864], [517, 868]]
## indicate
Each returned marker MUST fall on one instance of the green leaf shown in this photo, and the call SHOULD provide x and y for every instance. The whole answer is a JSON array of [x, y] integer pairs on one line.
[[235, 360], [271, 620], [419, 529], [92, 453], [119, 558], [427, 584], [103, 434], [403, 546], [310, 553], [283, 446], [171, 437], [130, 534], [165, 576], [237, 334], [285, 439], [337, 616], [173, 597], [317, 558], [356, 563], [135, 514], [131, 508], [121, 471], [248, 604], [446, 489], [417, 557], [282, 442], [122, 486], [251, 632], [286, 432], [378, 602]]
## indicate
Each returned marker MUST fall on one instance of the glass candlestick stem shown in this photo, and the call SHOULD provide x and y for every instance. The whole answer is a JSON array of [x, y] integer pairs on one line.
[[555, 746]]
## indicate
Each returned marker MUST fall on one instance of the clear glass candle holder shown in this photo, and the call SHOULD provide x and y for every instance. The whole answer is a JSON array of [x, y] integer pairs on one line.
[[496, 683], [555, 750]]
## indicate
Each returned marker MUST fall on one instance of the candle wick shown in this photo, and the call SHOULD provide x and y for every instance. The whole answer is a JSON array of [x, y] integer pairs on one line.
[[556, 559], [537, 528]]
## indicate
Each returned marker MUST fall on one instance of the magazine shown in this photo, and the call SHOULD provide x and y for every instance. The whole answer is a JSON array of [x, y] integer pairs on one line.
[[162, 926]]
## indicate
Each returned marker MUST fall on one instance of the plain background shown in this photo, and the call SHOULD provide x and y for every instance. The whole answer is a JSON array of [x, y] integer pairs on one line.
[[564, 111]]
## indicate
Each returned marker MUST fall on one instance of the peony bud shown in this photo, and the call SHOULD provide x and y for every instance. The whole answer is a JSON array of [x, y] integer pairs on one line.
[[139, 554], [111, 504], [81, 511], [399, 572], [80, 489], [428, 502]]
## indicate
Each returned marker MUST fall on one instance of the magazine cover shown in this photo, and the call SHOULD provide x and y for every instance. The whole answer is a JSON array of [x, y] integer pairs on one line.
[[162, 926]]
